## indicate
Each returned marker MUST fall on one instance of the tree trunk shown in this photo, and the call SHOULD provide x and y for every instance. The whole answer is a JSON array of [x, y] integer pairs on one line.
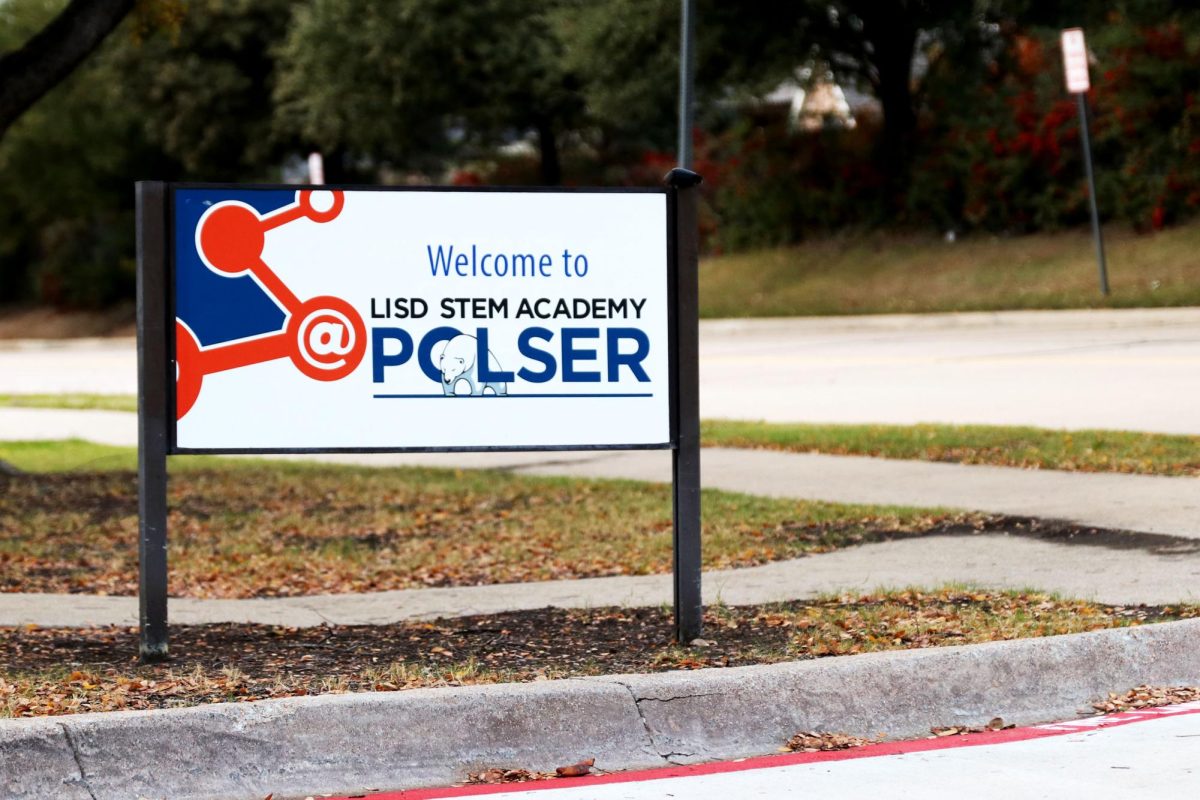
[[548, 145], [30, 72], [893, 40]]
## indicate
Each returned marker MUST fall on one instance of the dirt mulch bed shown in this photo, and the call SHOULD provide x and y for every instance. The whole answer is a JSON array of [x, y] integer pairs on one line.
[[56, 671]]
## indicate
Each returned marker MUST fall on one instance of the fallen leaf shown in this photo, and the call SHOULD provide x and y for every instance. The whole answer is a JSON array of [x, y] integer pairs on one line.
[[812, 742], [576, 770]]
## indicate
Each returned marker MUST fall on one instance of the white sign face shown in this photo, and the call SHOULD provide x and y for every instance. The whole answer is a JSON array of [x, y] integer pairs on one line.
[[420, 319], [1075, 61]]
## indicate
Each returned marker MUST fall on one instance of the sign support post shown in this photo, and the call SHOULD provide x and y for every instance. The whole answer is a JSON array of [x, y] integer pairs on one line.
[[1075, 67], [152, 420], [685, 458], [1091, 179], [687, 80]]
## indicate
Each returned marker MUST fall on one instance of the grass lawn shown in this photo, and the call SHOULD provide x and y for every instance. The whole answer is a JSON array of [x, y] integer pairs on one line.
[[101, 402], [998, 445], [248, 528], [1084, 451], [875, 273], [61, 671]]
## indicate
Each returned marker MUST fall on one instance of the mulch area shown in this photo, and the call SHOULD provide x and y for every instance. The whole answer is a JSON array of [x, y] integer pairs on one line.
[[61, 670], [547, 640]]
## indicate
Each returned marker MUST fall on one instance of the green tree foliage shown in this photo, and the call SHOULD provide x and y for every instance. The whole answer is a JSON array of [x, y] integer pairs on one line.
[[163, 98], [404, 83], [626, 56], [65, 196], [976, 130], [38, 63], [203, 87]]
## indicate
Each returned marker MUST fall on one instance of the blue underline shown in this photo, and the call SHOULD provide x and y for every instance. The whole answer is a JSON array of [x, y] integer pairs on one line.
[[502, 396]]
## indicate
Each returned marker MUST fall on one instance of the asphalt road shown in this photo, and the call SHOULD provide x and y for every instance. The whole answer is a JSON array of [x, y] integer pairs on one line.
[[1129, 369]]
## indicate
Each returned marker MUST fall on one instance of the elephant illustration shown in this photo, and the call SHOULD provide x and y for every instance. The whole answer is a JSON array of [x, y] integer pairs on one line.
[[456, 358]]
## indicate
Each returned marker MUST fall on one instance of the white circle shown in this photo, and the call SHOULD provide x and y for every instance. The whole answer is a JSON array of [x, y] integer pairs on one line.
[[321, 201]]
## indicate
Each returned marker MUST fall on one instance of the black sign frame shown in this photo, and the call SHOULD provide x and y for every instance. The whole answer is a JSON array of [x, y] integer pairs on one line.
[[156, 388]]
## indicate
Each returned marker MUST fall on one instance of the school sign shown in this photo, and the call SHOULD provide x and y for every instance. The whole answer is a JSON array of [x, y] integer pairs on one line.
[[343, 319], [277, 319]]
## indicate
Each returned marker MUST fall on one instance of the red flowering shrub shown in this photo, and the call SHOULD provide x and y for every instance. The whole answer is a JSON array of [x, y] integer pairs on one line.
[[769, 183], [1004, 153]]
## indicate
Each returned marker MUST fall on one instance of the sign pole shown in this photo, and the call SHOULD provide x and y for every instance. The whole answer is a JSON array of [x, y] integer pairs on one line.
[[1091, 179], [152, 420], [685, 458], [1075, 69], [687, 80]]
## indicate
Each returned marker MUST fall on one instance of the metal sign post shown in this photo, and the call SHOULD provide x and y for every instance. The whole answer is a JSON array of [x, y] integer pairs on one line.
[[687, 80], [584, 340], [152, 419], [1075, 65], [685, 460]]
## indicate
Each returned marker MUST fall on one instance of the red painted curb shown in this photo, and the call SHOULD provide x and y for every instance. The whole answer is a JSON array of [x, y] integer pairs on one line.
[[789, 759]]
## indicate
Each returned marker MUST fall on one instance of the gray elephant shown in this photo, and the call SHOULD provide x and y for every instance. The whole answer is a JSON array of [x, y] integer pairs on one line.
[[456, 359]]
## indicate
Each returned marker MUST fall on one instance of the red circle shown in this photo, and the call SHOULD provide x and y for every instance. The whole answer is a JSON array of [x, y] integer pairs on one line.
[[232, 238], [306, 205], [187, 369], [307, 327]]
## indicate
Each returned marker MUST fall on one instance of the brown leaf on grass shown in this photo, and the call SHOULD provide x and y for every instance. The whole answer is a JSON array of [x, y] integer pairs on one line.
[[576, 770], [812, 742], [350, 530]]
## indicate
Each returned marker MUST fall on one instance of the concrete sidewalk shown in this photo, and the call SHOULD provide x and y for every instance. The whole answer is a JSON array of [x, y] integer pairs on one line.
[[1147, 503], [1087, 571]]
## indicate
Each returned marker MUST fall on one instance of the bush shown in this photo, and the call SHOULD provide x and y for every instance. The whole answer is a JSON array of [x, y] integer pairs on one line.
[[769, 184], [1004, 153]]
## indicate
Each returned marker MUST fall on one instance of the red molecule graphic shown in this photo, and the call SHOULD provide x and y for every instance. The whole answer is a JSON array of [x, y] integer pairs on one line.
[[232, 238], [324, 337]]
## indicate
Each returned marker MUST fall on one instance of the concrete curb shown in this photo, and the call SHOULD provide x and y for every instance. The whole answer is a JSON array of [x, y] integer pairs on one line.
[[344, 743]]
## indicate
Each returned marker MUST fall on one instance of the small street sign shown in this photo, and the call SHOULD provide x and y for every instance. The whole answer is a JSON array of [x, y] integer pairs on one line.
[[1075, 61]]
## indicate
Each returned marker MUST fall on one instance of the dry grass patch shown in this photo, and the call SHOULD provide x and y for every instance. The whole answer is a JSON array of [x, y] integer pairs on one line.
[[872, 273], [997, 445], [274, 529]]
